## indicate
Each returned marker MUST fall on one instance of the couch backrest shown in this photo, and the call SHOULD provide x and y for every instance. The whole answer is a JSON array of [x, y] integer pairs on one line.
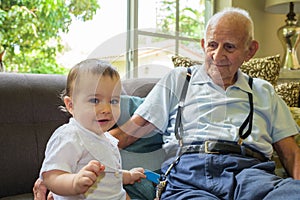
[[28, 115], [139, 86]]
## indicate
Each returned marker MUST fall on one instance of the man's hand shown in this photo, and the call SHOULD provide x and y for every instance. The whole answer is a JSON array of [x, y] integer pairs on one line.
[[40, 191], [50, 196]]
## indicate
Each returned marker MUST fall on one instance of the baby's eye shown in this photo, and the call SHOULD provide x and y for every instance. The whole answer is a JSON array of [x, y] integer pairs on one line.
[[115, 101], [94, 100]]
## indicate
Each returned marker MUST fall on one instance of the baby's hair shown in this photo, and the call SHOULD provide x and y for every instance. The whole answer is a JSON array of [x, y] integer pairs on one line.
[[93, 66]]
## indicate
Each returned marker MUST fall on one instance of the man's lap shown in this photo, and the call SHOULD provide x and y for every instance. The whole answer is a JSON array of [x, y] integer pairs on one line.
[[225, 177]]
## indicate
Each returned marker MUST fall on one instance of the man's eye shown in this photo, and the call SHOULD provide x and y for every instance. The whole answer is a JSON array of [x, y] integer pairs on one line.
[[115, 101], [94, 100], [212, 45], [229, 47]]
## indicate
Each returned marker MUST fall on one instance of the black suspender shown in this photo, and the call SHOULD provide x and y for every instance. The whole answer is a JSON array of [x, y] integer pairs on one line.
[[178, 133], [249, 118], [178, 124]]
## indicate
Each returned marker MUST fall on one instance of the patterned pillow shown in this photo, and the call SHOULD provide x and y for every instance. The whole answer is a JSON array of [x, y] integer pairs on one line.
[[266, 68], [289, 92], [180, 61], [296, 115]]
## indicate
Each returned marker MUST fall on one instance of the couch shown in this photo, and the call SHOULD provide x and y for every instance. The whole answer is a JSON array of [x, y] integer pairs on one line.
[[29, 113]]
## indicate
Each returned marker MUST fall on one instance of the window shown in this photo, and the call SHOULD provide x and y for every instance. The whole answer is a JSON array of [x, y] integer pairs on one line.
[[150, 33], [161, 29]]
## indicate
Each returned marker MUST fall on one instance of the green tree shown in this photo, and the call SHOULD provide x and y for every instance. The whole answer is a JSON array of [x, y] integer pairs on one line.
[[29, 31], [191, 19]]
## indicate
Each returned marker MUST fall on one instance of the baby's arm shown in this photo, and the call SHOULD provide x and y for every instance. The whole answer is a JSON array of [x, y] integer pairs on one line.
[[133, 175], [66, 184]]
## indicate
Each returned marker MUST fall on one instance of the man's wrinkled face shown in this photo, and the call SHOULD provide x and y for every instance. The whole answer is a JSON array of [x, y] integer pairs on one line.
[[226, 47]]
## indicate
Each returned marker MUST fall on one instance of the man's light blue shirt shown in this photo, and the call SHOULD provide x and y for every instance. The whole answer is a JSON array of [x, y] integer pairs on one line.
[[210, 112]]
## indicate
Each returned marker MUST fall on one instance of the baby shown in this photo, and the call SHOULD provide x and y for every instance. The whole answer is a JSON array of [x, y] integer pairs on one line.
[[82, 160]]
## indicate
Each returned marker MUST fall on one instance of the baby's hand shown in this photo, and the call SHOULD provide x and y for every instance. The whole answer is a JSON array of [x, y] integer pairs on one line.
[[87, 176], [136, 174]]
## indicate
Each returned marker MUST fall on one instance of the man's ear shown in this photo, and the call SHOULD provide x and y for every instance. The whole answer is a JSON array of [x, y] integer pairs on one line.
[[252, 50], [69, 104], [202, 41]]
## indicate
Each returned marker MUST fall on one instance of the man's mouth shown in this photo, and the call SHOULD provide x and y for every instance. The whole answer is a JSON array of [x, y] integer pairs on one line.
[[221, 65]]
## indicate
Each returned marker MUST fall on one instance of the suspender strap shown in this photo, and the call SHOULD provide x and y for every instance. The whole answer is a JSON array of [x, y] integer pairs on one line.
[[249, 118], [178, 123]]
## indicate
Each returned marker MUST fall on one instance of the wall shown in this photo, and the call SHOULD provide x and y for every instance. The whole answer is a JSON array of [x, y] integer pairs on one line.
[[265, 25]]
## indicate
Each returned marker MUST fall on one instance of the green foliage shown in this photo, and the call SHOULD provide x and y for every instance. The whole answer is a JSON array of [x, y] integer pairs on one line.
[[191, 18], [30, 31]]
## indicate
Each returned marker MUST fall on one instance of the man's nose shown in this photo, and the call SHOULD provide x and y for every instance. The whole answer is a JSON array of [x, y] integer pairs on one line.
[[219, 53]]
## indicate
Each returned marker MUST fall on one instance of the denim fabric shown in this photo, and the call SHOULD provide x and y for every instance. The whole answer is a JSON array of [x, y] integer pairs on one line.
[[143, 190], [210, 176]]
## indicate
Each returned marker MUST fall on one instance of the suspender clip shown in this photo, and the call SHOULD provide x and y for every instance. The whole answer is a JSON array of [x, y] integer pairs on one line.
[[240, 141]]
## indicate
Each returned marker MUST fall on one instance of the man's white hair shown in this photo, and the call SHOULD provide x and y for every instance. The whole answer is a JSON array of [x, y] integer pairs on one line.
[[234, 14]]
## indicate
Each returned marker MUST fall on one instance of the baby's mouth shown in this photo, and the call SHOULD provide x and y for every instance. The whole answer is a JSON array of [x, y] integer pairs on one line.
[[103, 120]]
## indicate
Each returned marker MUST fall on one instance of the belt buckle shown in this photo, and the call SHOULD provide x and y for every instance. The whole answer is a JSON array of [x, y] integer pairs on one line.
[[206, 150]]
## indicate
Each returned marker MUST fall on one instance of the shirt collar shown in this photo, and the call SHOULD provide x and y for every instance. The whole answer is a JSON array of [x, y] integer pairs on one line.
[[200, 77]]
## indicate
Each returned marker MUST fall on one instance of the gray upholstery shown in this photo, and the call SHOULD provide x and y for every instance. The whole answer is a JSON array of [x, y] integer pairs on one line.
[[138, 87], [29, 114]]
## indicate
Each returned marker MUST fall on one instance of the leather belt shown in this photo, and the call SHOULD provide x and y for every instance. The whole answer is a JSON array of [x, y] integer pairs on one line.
[[217, 147]]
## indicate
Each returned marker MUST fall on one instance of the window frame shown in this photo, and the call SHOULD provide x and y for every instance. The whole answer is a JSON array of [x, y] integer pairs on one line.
[[133, 34]]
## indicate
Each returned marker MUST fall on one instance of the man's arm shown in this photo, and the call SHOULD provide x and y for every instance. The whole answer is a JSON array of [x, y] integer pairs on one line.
[[135, 128], [289, 154]]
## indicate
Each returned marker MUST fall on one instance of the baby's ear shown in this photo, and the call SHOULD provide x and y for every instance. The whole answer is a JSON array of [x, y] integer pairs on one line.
[[69, 104]]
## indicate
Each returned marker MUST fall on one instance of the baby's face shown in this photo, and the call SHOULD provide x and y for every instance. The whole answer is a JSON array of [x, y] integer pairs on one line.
[[96, 102]]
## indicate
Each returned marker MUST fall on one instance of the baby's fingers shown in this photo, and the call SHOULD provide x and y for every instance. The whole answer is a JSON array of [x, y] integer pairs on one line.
[[138, 169], [94, 166]]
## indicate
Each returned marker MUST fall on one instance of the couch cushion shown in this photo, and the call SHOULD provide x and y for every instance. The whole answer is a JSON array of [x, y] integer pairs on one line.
[[138, 86], [266, 68], [28, 115], [180, 61], [289, 92], [27, 196]]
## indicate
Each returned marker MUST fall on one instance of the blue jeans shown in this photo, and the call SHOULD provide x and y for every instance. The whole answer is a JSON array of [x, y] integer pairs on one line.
[[211, 176]]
